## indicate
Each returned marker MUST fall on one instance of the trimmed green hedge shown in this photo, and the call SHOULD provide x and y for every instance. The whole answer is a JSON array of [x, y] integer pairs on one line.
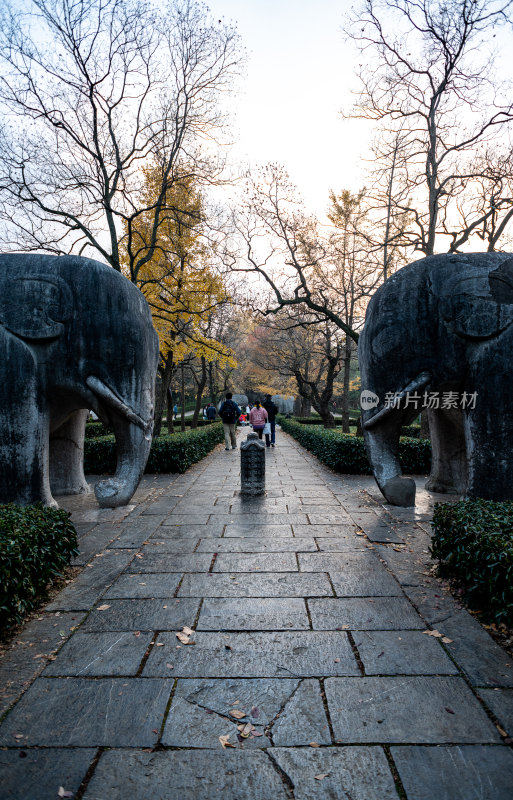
[[94, 430], [318, 420], [473, 541], [36, 543], [345, 453], [168, 453]]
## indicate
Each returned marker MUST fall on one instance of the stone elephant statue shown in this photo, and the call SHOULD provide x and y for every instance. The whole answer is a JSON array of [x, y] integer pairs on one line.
[[74, 335], [442, 327]]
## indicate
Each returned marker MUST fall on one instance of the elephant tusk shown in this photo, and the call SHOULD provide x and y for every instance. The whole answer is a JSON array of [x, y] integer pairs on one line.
[[420, 382], [103, 391]]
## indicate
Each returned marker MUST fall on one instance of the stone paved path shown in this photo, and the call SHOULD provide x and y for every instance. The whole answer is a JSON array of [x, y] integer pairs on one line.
[[311, 609]]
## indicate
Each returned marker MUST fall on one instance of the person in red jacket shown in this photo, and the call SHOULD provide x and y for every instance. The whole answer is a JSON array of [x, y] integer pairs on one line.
[[258, 418]]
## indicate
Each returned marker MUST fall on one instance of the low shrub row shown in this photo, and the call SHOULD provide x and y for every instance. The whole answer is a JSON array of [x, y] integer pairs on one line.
[[343, 452], [318, 420], [168, 453], [36, 543], [473, 542], [96, 429]]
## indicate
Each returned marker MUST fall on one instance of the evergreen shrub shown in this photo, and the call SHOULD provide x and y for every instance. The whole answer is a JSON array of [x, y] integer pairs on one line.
[[473, 542], [36, 543]]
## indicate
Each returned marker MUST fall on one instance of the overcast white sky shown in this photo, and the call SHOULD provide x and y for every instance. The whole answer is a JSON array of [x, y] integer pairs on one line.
[[298, 78]]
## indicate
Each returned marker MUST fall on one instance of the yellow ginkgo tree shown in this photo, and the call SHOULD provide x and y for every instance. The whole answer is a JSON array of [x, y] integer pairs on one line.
[[179, 281]]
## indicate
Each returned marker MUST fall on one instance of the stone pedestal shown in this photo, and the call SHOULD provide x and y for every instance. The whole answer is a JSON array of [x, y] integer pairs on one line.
[[252, 465]]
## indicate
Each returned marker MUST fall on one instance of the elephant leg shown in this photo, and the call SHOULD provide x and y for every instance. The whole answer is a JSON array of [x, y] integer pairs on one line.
[[24, 428], [449, 467], [67, 456], [382, 443]]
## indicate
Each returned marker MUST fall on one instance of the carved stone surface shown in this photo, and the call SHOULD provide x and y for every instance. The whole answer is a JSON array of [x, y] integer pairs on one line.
[[285, 405], [252, 465], [74, 335], [441, 331]]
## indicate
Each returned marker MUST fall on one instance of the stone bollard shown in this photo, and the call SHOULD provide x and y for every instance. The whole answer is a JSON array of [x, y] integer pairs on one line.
[[252, 465]]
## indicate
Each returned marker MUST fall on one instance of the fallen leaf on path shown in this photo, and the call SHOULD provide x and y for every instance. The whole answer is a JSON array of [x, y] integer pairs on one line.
[[225, 741], [337, 661], [169, 666], [104, 607], [446, 640], [188, 631], [246, 729], [449, 710], [63, 793], [137, 633], [256, 733], [314, 744], [321, 776], [160, 644], [236, 714], [501, 730], [182, 637], [434, 633], [255, 712]]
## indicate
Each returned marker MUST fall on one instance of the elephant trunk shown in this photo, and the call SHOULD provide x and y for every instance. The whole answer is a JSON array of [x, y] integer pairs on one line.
[[133, 446], [382, 444]]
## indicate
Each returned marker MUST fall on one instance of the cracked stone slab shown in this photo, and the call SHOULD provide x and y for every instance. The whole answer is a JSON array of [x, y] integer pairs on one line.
[[359, 773], [363, 613], [264, 562], [484, 661], [143, 614], [264, 614], [77, 712], [133, 585], [40, 773], [91, 583], [468, 772], [281, 654], [375, 582], [251, 544], [303, 719], [170, 562], [187, 775], [257, 528], [500, 701], [100, 654], [402, 653], [200, 711], [407, 710], [266, 584]]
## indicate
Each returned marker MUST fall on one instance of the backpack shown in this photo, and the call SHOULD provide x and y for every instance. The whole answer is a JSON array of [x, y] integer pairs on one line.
[[228, 412]]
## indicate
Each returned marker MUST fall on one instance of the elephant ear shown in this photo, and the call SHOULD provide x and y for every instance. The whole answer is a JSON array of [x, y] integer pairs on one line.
[[479, 303], [35, 307]]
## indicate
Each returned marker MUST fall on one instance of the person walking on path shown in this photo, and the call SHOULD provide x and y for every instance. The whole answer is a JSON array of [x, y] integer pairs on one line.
[[272, 410], [211, 412], [258, 418], [229, 413]]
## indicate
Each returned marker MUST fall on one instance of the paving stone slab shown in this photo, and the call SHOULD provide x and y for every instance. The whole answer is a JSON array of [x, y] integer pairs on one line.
[[187, 775], [263, 614], [402, 653], [468, 772], [407, 710], [359, 613], [91, 583], [257, 528], [500, 701], [434, 603], [359, 773], [186, 519], [169, 531], [263, 562], [131, 539], [262, 519], [382, 533], [341, 544], [200, 711], [91, 544], [132, 585], [251, 544], [155, 562], [142, 614], [350, 561], [368, 583], [281, 654], [333, 518], [347, 531], [266, 584], [100, 654], [40, 637], [157, 545], [303, 719], [41, 773], [78, 712], [484, 662]]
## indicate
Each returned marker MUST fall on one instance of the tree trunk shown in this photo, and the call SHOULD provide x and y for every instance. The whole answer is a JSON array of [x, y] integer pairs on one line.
[[160, 400], [170, 423], [200, 386], [182, 392], [347, 378]]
